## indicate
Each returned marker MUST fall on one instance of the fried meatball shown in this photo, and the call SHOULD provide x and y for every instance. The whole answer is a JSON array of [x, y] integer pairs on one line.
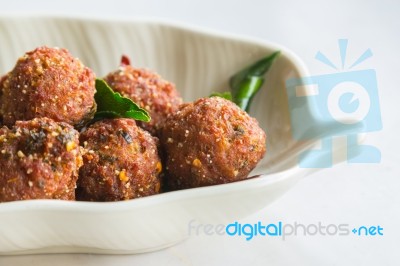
[[2, 79], [158, 96], [121, 162], [48, 82], [209, 142], [39, 159]]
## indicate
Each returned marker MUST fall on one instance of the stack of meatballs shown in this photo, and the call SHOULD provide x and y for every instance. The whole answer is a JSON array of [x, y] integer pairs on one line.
[[50, 148]]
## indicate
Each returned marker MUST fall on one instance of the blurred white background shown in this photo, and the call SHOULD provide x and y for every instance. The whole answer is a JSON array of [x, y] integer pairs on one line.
[[353, 194]]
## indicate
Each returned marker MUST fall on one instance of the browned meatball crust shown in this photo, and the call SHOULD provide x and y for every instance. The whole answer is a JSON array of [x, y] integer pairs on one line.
[[2, 79], [48, 82], [121, 162], [39, 160], [158, 96], [210, 141]]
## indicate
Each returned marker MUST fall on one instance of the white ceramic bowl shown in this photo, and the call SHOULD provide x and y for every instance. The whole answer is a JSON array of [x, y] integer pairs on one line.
[[198, 61]]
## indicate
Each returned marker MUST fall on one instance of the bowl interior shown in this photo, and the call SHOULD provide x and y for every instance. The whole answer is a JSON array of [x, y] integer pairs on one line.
[[197, 62]]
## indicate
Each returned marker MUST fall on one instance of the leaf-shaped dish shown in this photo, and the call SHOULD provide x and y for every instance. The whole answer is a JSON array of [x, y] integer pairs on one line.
[[198, 62]]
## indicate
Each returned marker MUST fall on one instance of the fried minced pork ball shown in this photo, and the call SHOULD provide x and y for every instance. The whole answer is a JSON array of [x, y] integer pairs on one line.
[[210, 141], [121, 162], [2, 79], [158, 96], [48, 82], [39, 159]]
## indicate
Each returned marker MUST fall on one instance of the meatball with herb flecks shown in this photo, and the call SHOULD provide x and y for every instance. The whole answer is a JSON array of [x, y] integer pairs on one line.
[[121, 162], [158, 96], [39, 159], [210, 141], [48, 82]]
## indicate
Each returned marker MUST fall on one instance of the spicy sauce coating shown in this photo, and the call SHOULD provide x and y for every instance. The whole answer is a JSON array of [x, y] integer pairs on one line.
[[158, 96], [209, 142], [39, 160], [121, 162], [48, 82]]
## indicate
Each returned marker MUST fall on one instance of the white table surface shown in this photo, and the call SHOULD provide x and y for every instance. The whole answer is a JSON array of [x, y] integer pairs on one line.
[[366, 194]]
